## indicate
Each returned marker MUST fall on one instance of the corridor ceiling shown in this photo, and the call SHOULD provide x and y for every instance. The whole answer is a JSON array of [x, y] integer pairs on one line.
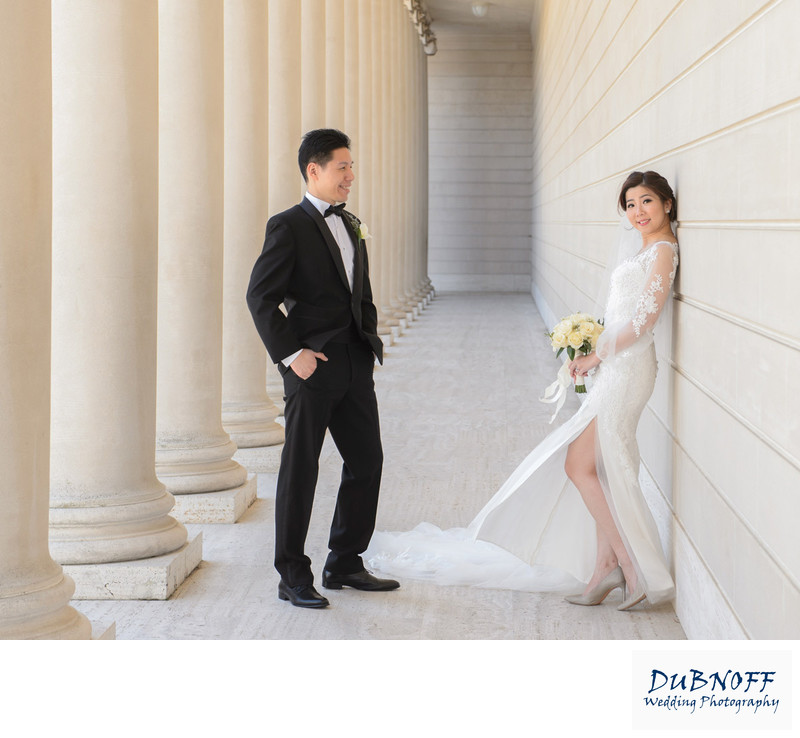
[[503, 16]]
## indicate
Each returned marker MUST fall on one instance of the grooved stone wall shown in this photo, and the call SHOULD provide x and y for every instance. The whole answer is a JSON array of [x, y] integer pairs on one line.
[[480, 163], [708, 93]]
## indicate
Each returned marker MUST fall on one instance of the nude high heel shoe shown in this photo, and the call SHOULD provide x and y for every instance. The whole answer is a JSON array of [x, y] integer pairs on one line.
[[635, 598], [601, 591]]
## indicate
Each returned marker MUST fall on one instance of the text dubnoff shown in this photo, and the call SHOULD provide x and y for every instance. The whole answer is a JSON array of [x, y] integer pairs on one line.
[[707, 689], [731, 690]]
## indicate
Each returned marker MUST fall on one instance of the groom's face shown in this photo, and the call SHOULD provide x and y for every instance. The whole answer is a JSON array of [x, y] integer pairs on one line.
[[331, 182]]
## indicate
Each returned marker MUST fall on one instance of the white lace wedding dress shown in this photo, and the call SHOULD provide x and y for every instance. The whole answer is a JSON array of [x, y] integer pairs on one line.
[[535, 534]]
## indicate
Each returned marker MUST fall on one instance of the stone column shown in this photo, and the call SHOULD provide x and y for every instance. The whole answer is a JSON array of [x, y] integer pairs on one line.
[[248, 413], [362, 107], [109, 517], [313, 65], [401, 103], [359, 107], [286, 185], [380, 255], [426, 287], [409, 47], [351, 100], [396, 102], [420, 185], [406, 101], [193, 451], [34, 592], [392, 209], [337, 40], [416, 285]]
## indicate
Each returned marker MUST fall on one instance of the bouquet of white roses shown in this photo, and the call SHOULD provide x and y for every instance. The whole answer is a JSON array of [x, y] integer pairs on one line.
[[577, 333]]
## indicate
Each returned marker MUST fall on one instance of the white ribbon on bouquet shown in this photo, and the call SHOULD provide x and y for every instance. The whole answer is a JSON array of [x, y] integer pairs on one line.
[[557, 391]]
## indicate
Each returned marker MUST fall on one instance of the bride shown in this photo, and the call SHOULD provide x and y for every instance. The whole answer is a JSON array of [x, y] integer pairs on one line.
[[573, 510]]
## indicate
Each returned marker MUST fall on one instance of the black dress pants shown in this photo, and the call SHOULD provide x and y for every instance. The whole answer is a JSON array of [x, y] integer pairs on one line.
[[339, 396]]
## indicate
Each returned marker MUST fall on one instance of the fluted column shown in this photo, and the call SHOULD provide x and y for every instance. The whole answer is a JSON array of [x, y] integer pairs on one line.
[[336, 42], [416, 287], [313, 65], [34, 592], [194, 453], [392, 214], [359, 108], [286, 185], [350, 99], [406, 123], [425, 180], [412, 144], [248, 413], [380, 255], [426, 287], [108, 507], [421, 285], [396, 153], [285, 181], [382, 91]]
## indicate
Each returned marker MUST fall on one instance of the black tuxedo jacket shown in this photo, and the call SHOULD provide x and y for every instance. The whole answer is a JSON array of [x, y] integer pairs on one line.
[[301, 266]]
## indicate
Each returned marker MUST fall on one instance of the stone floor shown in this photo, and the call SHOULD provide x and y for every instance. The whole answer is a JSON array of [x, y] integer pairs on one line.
[[459, 409]]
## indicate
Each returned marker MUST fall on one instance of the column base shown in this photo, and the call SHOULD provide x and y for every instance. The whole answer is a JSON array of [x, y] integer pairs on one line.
[[257, 438], [252, 425], [408, 308], [35, 605], [226, 506], [192, 469], [393, 332], [146, 579], [110, 533], [260, 460]]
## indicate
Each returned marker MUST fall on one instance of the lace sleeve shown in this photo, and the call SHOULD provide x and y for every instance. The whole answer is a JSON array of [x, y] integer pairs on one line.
[[663, 264]]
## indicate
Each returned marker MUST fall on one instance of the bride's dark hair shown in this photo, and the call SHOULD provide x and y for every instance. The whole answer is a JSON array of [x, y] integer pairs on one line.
[[653, 181]]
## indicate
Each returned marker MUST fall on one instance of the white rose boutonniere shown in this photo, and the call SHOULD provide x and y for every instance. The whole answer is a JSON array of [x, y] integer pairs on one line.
[[361, 230]]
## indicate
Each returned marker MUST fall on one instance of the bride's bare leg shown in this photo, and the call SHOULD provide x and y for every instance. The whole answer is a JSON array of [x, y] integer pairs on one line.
[[606, 560], [581, 468]]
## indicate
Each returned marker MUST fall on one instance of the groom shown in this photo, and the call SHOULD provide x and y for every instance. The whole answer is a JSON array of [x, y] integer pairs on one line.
[[314, 262]]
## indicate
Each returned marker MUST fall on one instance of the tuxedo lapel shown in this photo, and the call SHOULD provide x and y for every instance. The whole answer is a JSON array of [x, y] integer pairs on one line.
[[333, 247], [358, 258]]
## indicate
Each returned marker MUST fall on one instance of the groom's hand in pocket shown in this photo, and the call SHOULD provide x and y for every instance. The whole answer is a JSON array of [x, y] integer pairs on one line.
[[306, 363]]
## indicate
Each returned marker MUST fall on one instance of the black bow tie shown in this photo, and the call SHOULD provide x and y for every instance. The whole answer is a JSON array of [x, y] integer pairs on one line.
[[334, 210]]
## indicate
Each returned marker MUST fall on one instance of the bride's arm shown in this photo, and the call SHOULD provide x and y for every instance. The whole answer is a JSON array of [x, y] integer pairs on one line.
[[619, 337]]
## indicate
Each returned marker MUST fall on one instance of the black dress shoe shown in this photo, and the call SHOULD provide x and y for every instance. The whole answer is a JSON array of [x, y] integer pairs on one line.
[[303, 595], [362, 580]]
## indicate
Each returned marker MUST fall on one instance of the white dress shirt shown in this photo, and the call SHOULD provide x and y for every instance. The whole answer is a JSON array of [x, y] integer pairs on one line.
[[343, 240]]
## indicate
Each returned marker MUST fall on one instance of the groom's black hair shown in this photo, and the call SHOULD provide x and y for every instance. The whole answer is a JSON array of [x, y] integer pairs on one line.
[[318, 146]]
